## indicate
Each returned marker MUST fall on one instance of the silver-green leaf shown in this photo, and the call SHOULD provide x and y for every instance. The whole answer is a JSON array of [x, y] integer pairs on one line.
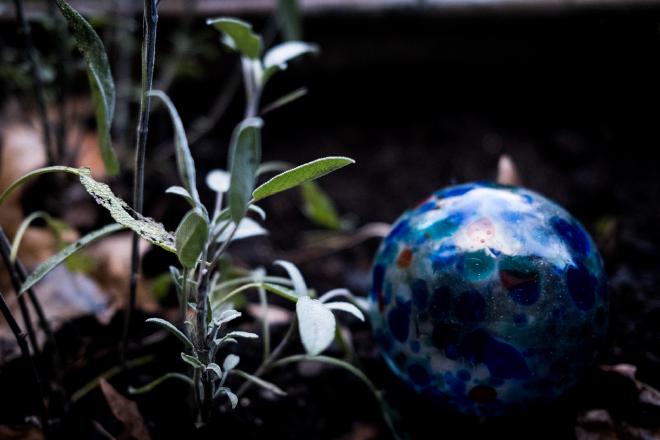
[[346, 307], [230, 362], [190, 237], [238, 35], [299, 285], [278, 57], [100, 79], [192, 361], [300, 174], [44, 268], [316, 325], [244, 159], [181, 191], [184, 161], [172, 329], [233, 399]]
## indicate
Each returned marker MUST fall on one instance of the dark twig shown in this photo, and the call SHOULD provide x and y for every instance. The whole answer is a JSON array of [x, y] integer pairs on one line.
[[18, 276], [37, 80], [150, 22], [5, 250], [40, 407]]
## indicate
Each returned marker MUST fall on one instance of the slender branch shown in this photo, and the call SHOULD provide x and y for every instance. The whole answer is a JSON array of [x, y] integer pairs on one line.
[[18, 275], [269, 362], [37, 80], [40, 407], [5, 250], [150, 22]]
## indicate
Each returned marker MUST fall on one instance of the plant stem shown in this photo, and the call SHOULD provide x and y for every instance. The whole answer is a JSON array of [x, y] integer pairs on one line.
[[272, 358], [37, 81], [18, 275], [40, 407], [150, 22], [5, 250]]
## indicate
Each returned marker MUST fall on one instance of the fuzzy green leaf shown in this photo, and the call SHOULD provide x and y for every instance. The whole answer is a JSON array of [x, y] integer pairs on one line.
[[230, 362], [238, 35], [172, 329], [192, 361], [181, 191], [100, 80], [346, 307], [233, 399], [300, 174], [299, 285], [278, 57], [241, 334], [184, 161], [191, 237], [44, 268], [215, 368], [244, 159], [316, 325]]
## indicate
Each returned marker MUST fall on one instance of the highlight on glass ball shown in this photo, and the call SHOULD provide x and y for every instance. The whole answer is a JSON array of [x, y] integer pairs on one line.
[[491, 298]]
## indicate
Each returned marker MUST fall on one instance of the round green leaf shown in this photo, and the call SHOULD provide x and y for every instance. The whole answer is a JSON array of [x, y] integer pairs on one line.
[[190, 237]]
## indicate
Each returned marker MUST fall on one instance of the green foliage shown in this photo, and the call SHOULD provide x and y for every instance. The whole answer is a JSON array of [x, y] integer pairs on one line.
[[191, 237], [278, 58], [239, 36], [44, 268], [299, 175], [173, 330], [100, 79], [244, 158], [184, 160], [316, 324]]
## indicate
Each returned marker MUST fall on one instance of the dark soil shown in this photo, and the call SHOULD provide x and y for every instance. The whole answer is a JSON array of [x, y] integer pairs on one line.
[[420, 101]]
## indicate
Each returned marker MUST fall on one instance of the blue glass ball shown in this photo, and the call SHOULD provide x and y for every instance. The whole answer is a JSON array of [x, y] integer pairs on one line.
[[492, 298]]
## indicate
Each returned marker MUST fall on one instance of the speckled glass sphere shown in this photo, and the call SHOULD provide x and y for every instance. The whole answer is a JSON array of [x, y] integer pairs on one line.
[[492, 298]]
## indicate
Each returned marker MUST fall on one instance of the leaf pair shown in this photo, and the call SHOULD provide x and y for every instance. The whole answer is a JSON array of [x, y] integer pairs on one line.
[[316, 322], [239, 36]]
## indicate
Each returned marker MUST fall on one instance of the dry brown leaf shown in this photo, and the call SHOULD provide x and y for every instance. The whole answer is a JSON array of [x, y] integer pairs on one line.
[[126, 411]]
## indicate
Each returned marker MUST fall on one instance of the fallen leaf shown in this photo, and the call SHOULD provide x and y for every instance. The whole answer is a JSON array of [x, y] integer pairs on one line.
[[126, 411]]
